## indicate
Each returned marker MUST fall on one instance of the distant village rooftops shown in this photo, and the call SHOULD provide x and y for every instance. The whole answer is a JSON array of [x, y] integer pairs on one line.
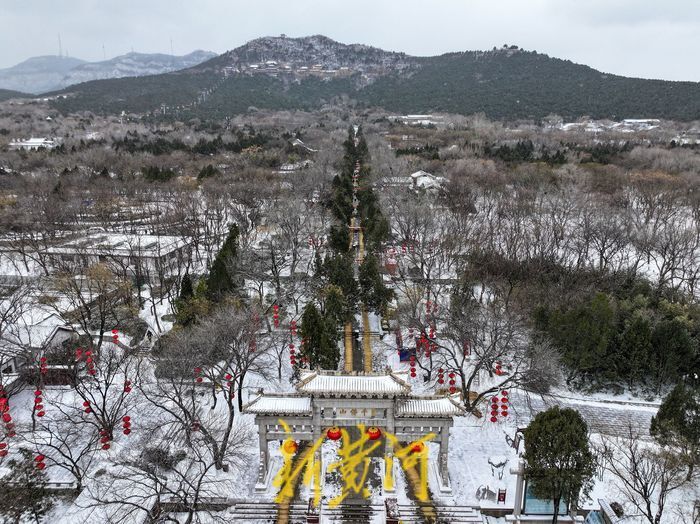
[[120, 244]]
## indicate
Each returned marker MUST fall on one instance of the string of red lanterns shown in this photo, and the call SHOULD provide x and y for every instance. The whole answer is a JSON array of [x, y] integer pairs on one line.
[[276, 315], [6, 416], [105, 439], [126, 424], [39, 459], [501, 409], [38, 407]]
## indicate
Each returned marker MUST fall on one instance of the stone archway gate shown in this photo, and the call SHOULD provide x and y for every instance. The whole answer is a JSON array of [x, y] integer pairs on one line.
[[324, 399]]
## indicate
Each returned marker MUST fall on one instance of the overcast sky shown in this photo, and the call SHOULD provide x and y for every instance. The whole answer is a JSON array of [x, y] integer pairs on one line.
[[643, 38]]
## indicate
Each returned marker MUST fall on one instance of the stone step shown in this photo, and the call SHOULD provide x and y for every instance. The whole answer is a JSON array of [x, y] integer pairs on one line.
[[350, 513], [456, 514]]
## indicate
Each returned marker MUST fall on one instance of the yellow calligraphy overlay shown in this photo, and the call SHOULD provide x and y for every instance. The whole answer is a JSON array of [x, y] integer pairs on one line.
[[353, 465], [354, 456], [287, 476], [410, 456]]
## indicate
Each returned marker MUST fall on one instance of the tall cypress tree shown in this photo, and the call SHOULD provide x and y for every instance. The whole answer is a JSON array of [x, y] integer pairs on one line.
[[374, 294], [320, 339], [222, 279]]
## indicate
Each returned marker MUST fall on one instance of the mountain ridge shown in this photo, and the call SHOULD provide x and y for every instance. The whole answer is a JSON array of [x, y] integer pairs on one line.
[[308, 72]]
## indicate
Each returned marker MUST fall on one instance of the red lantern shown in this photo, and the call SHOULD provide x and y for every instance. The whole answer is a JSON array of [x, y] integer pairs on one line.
[[290, 446], [3, 445], [41, 413], [504, 392], [41, 465], [127, 431], [37, 393], [39, 458], [334, 433], [494, 419], [417, 447], [126, 418], [199, 380], [374, 433], [6, 417], [105, 446], [38, 407], [3, 452], [104, 440]]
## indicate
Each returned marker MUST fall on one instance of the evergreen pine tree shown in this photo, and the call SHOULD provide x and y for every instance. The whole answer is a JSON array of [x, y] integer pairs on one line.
[[222, 279], [677, 423], [559, 463], [186, 289]]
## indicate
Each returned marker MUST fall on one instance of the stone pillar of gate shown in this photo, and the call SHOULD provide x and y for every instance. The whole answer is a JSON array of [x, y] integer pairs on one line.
[[389, 484], [264, 453], [316, 434], [443, 454]]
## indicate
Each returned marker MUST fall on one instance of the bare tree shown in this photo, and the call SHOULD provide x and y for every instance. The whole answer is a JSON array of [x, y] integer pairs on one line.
[[94, 298], [645, 475], [207, 367]]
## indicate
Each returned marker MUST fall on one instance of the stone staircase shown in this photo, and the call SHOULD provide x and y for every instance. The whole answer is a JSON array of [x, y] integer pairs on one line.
[[265, 513], [351, 514], [445, 514]]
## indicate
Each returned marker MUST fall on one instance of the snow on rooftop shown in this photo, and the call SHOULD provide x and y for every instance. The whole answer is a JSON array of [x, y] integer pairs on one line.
[[428, 407], [369, 384], [121, 244], [279, 405]]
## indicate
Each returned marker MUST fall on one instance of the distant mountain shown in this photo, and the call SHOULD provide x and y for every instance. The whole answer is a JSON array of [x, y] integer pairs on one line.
[[306, 73], [37, 74], [50, 73]]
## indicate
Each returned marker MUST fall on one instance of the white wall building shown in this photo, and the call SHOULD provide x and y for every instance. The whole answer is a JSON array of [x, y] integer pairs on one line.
[[30, 144]]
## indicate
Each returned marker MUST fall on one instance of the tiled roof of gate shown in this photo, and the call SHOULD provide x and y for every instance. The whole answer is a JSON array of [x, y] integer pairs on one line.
[[428, 407], [349, 385], [279, 405]]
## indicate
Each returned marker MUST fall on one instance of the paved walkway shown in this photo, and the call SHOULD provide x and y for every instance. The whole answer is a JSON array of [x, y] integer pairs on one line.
[[606, 417]]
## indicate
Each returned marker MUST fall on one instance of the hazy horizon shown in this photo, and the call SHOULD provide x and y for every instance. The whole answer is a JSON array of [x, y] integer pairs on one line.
[[627, 37]]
